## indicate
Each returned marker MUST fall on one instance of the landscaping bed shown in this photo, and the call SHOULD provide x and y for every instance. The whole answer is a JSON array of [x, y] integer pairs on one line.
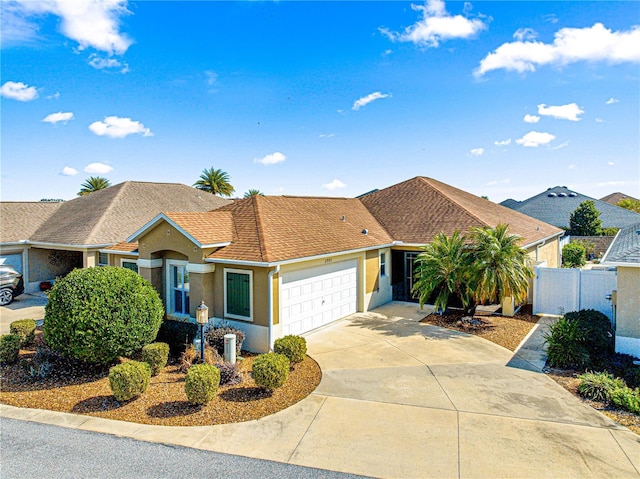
[[76, 388], [505, 331]]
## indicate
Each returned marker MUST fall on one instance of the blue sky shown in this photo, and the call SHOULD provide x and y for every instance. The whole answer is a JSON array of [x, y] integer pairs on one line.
[[503, 99]]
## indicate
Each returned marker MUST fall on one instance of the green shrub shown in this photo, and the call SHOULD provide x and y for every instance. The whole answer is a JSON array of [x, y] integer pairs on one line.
[[626, 398], [293, 347], [201, 383], [156, 355], [610, 231], [9, 348], [215, 338], [270, 371], [598, 334], [191, 356], [26, 329], [177, 334], [565, 345], [130, 379], [41, 364], [99, 314], [574, 255], [598, 386]]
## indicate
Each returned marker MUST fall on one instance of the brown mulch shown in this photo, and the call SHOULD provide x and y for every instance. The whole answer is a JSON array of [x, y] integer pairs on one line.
[[77, 389], [505, 331]]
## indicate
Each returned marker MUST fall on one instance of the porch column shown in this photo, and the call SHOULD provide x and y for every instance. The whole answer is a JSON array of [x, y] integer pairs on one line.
[[88, 259]]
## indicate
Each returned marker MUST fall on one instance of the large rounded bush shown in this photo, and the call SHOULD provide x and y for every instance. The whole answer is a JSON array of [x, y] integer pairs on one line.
[[271, 370], [98, 314], [201, 383]]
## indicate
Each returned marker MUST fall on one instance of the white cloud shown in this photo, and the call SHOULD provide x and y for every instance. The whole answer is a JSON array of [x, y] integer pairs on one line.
[[611, 101], [211, 76], [436, 25], [18, 91], [531, 118], [54, 118], [535, 139], [334, 185], [570, 45], [506, 142], [572, 166], [476, 151], [100, 63], [365, 100], [525, 34], [561, 146], [610, 163], [614, 183], [272, 159], [599, 120], [68, 171], [117, 127], [55, 96], [326, 135], [563, 112], [99, 168], [91, 23]]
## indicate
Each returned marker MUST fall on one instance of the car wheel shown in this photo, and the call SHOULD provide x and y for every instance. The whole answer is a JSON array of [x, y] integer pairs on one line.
[[6, 296]]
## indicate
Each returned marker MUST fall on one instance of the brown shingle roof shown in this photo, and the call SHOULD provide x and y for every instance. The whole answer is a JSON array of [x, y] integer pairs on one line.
[[415, 210], [207, 228], [113, 214], [279, 228], [20, 220], [124, 246], [613, 198]]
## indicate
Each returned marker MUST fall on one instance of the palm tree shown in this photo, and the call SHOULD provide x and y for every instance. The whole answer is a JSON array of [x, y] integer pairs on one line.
[[500, 266], [215, 181], [93, 183], [253, 192], [442, 269]]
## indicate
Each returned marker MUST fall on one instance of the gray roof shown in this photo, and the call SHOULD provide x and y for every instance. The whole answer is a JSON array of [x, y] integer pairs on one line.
[[111, 215], [20, 219], [625, 247], [555, 205]]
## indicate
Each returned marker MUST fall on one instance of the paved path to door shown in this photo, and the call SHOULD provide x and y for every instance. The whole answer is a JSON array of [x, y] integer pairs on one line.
[[404, 399]]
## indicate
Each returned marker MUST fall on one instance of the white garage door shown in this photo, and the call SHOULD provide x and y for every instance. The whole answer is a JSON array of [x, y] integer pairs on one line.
[[316, 296]]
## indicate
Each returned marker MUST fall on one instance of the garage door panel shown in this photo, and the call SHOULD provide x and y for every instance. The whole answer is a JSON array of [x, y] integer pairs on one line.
[[317, 296]]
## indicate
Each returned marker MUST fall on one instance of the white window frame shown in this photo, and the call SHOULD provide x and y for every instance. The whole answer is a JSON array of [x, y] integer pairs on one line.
[[237, 316], [383, 264], [169, 264], [125, 260]]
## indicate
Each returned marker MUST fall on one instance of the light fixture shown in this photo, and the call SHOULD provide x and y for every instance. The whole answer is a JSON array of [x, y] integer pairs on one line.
[[202, 318]]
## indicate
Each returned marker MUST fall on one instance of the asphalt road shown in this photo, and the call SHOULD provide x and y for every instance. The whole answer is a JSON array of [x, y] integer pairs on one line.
[[32, 450]]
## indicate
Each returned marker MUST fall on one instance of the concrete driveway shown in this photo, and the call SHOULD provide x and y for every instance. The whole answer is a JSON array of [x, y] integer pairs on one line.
[[25, 306], [404, 399]]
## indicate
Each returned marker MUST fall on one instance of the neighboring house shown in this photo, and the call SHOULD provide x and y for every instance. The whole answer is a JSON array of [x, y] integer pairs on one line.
[[613, 198], [281, 265], [45, 240], [555, 205], [624, 253], [414, 211]]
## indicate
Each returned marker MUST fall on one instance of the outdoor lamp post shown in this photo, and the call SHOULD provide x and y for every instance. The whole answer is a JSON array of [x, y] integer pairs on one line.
[[202, 318]]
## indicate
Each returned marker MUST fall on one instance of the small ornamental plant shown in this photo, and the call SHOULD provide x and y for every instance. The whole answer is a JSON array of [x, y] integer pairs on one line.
[[293, 347], [201, 383], [25, 328], [156, 355], [215, 338], [271, 370], [129, 380], [9, 348]]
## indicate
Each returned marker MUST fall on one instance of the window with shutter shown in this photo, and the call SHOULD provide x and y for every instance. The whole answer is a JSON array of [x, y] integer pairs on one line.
[[238, 294]]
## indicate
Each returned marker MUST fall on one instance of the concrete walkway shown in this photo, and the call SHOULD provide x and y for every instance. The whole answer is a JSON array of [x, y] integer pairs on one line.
[[403, 399], [25, 306]]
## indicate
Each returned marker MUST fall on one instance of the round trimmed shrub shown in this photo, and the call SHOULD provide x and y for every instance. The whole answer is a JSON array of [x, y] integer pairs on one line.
[[130, 379], [9, 348], [598, 333], [99, 314], [293, 347], [25, 328], [156, 355], [177, 334], [574, 255], [201, 383], [271, 370]]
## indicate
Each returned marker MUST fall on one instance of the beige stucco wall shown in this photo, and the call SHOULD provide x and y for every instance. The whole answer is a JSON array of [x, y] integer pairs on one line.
[[548, 252], [372, 274], [116, 259], [260, 292], [628, 307], [41, 267], [165, 237]]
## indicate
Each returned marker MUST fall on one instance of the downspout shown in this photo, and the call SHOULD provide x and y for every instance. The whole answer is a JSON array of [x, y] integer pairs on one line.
[[271, 302]]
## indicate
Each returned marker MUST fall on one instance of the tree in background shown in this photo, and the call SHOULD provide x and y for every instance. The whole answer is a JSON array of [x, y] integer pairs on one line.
[[93, 183], [573, 255], [253, 192], [585, 220], [215, 181], [629, 204]]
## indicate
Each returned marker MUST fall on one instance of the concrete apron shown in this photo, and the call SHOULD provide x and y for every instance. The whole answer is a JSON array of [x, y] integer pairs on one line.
[[403, 399]]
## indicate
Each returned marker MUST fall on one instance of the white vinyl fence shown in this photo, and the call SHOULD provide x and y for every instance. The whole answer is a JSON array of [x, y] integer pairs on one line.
[[560, 290]]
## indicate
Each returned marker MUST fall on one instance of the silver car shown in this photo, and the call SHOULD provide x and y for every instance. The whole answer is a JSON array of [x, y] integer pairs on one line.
[[11, 284]]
